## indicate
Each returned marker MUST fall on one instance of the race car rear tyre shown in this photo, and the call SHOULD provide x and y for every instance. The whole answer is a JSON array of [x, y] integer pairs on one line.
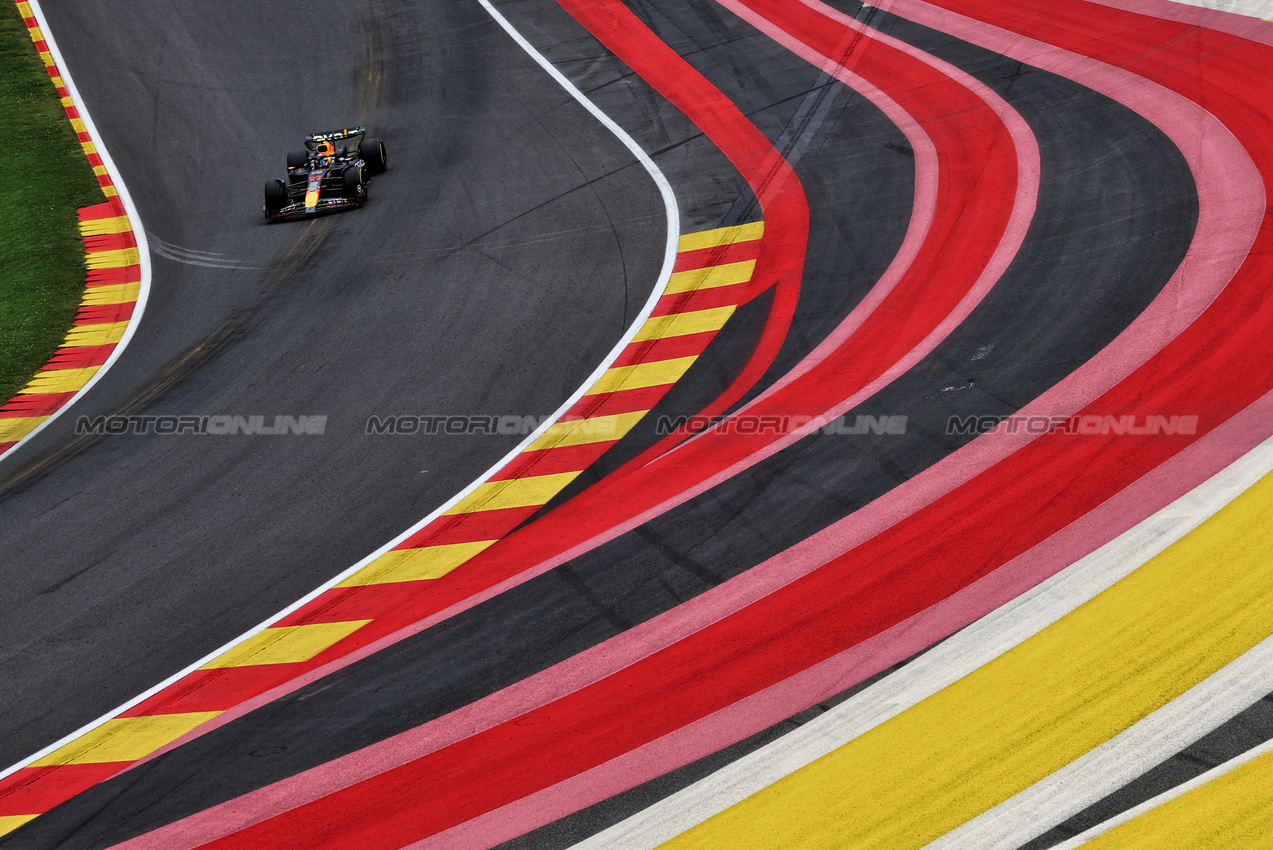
[[372, 152], [353, 179], [295, 159], [275, 196]]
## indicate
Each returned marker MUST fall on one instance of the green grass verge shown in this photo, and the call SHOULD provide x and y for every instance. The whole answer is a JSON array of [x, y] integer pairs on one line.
[[44, 179]]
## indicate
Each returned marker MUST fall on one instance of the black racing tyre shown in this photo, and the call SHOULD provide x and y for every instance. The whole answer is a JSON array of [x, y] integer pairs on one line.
[[372, 152], [295, 159], [353, 179], [275, 196]]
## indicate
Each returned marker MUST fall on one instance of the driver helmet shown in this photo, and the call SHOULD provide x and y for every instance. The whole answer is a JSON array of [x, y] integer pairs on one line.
[[325, 149]]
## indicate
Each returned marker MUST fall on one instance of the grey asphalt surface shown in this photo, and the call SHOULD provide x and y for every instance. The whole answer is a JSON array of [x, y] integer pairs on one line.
[[501, 257], [1115, 216]]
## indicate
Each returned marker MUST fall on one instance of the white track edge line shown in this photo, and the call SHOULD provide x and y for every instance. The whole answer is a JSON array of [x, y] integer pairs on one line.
[[134, 220], [665, 274], [941, 666]]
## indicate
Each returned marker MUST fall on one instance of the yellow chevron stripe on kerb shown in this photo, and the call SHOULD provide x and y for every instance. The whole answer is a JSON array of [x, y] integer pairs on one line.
[[427, 562], [59, 380], [578, 432], [710, 277], [682, 324], [104, 226], [115, 259], [721, 236], [13, 429], [105, 333], [115, 293], [514, 493], [8, 823], [641, 375], [285, 644], [126, 739]]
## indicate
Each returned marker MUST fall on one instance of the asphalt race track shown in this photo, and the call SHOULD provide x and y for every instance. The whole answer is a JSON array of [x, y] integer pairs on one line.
[[927, 507], [499, 304]]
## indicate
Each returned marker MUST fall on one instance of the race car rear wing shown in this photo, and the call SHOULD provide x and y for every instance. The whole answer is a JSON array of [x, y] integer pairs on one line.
[[335, 135]]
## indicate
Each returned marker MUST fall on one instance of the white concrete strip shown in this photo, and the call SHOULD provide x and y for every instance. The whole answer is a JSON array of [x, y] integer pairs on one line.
[[669, 259], [975, 646]]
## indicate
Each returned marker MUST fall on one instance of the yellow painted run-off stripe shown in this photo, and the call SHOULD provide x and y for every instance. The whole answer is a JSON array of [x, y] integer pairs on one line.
[[1173, 622], [721, 236], [285, 644], [126, 739], [427, 562], [1231, 812], [513, 493]]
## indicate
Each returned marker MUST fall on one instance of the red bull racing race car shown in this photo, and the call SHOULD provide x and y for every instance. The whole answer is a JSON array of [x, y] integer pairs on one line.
[[331, 173]]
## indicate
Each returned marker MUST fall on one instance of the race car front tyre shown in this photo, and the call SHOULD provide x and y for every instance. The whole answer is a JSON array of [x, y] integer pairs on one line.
[[355, 183], [275, 196], [372, 152]]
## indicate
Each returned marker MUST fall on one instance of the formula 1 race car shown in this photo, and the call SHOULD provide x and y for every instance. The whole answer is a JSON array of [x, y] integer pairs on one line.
[[331, 173]]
